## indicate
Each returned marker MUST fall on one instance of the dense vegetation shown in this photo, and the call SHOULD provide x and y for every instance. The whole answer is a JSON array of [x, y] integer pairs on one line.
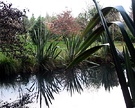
[[62, 51]]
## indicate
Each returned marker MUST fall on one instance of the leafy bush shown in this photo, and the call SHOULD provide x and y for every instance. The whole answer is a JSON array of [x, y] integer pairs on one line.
[[11, 26], [8, 66]]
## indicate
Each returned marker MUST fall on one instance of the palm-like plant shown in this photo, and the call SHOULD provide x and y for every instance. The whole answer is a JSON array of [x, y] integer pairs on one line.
[[130, 48], [45, 50], [72, 45], [50, 56], [39, 36]]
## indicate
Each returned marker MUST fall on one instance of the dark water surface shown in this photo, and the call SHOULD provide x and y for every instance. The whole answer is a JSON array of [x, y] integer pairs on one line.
[[34, 91]]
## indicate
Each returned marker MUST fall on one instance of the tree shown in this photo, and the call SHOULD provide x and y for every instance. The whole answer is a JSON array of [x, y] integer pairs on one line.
[[32, 20], [85, 16], [28, 23], [114, 16], [65, 24], [128, 31], [11, 26]]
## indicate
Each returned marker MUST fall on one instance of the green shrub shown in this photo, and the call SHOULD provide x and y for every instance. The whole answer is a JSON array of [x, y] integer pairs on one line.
[[8, 66]]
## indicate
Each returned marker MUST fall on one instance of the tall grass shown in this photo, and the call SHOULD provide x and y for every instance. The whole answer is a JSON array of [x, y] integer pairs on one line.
[[8, 66], [9, 69]]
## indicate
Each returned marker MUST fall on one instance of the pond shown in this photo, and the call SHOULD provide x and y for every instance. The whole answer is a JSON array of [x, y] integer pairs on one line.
[[100, 90]]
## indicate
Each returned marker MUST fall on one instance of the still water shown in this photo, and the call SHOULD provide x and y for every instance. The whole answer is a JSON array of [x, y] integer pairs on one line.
[[35, 90], [87, 99]]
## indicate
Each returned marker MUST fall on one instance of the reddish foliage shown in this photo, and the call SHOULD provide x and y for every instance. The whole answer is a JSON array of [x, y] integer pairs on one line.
[[11, 25], [65, 24]]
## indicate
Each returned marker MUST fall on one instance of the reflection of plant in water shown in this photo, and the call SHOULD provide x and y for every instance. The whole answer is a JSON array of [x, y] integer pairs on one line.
[[22, 102], [108, 77], [43, 85], [73, 80], [46, 85], [77, 79]]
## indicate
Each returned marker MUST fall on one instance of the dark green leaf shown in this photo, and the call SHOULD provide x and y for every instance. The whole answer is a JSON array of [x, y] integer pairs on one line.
[[84, 55]]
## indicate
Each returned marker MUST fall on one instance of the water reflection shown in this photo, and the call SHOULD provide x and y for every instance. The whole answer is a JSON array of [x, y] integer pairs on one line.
[[42, 86]]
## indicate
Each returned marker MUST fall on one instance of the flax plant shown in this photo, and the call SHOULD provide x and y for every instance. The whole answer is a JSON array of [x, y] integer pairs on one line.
[[45, 49], [39, 35], [72, 46], [128, 94], [130, 74], [46, 53]]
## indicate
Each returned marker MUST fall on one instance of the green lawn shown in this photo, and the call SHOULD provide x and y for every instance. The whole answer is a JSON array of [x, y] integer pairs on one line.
[[62, 46], [120, 45]]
